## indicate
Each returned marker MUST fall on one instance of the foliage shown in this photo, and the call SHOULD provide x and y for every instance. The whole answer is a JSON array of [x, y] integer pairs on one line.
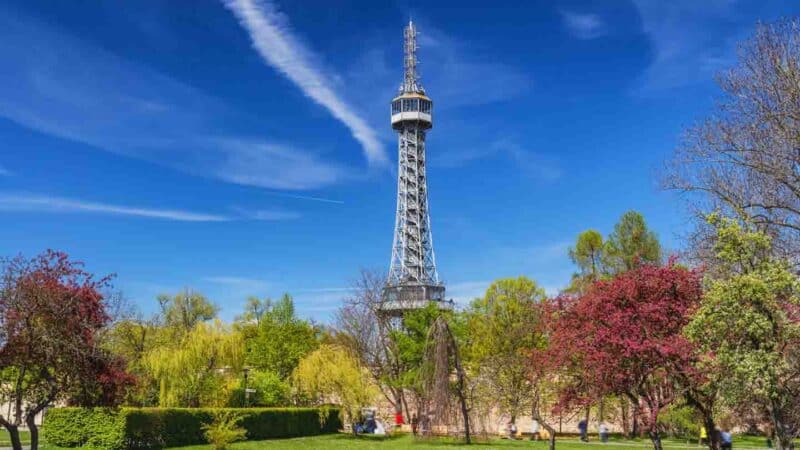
[[625, 337], [499, 341], [281, 339], [743, 158], [224, 430], [678, 420], [270, 390], [330, 374], [631, 244], [589, 255], [51, 313], [748, 325], [192, 370], [185, 310], [152, 428]]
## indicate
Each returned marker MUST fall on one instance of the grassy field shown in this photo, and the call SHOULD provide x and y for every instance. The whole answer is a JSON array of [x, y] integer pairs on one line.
[[5, 441], [346, 442]]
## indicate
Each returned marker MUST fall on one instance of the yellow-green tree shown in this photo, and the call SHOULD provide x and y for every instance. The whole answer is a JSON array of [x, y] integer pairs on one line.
[[501, 335], [195, 370], [332, 375]]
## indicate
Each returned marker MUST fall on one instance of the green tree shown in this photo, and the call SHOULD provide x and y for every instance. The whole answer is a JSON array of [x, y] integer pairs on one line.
[[500, 340], [186, 309], [269, 390], [281, 340], [331, 374], [631, 244], [749, 327], [589, 254], [193, 371]]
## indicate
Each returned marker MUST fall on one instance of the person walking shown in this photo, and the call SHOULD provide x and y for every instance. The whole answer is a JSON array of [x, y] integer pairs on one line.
[[512, 430], [703, 436], [414, 424], [583, 427], [603, 430], [535, 431], [725, 440]]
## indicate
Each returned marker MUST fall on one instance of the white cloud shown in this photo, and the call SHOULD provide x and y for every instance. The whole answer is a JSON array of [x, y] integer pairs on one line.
[[584, 25], [25, 202], [536, 164], [691, 40], [240, 284], [464, 292], [65, 87], [22, 202], [277, 44]]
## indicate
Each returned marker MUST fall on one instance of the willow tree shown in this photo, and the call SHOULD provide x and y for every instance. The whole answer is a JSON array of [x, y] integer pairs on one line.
[[191, 371], [330, 374]]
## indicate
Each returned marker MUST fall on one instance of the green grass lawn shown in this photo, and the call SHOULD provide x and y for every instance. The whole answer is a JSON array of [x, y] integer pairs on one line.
[[346, 442], [5, 441]]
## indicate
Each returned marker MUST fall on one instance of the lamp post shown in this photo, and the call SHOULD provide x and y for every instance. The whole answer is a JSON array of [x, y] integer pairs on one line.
[[246, 371]]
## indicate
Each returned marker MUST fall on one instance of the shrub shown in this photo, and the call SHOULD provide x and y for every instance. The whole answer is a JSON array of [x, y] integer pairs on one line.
[[224, 430], [154, 428]]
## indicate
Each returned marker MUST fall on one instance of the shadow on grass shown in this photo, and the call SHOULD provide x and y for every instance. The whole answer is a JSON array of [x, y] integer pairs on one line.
[[423, 441]]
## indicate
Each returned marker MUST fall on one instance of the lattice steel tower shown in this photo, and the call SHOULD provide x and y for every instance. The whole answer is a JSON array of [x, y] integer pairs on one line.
[[413, 280]]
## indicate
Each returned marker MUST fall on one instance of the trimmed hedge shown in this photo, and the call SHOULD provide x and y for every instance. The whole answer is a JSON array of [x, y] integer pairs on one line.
[[154, 428]]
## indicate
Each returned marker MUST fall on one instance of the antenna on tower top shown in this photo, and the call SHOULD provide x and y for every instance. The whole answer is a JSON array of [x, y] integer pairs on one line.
[[411, 79]]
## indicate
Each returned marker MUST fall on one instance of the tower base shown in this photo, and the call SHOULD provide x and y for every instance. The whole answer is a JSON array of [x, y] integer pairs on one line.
[[404, 297]]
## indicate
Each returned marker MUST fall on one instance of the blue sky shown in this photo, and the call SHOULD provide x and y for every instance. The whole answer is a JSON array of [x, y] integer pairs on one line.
[[244, 148]]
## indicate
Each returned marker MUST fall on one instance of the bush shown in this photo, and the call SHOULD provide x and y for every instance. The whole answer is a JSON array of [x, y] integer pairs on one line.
[[224, 430], [154, 428]]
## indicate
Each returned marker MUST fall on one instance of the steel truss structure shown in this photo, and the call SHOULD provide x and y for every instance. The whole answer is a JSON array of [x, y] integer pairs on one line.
[[413, 281]]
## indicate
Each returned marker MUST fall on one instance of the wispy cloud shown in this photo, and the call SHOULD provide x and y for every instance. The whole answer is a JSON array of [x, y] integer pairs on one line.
[[252, 285], [536, 164], [65, 87], [691, 40], [4, 172], [278, 45], [466, 291], [24, 202], [584, 25]]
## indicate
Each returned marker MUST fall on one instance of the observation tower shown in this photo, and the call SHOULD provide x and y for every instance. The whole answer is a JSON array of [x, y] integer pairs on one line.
[[413, 281]]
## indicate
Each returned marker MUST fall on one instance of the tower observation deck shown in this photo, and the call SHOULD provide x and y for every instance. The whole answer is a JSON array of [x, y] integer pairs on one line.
[[413, 281]]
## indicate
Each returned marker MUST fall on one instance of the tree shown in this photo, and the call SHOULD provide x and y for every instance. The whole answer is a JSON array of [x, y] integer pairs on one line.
[[281, 340], [331, 374], [748, 326], [192, 371], [499, 341], [744, 159], [588, 254], [368, 336], [186, 309], [625, 337], [51, 312], [631, 244]]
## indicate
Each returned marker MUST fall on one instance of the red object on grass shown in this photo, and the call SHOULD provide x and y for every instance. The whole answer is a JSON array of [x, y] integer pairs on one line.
[[398, 419]]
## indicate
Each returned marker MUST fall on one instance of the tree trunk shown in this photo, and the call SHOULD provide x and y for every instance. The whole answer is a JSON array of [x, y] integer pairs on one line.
[[13, 433], [551, 432], [635, 420], [34, 431], [711, 433], [461, 386], [623, 410], [656, 439]]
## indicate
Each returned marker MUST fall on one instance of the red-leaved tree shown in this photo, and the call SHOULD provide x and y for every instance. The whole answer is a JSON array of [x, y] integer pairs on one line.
[[624, 337], [51, 312]]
